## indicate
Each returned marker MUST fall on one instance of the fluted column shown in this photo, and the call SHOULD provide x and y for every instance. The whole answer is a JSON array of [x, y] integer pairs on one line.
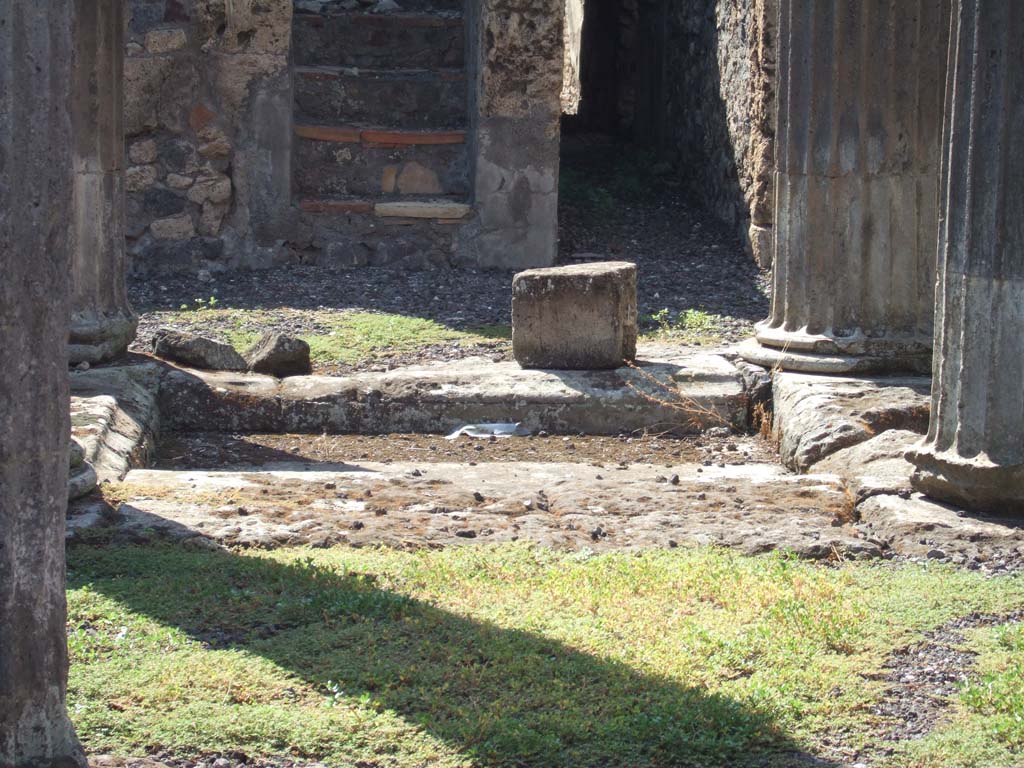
[[974, 453], [857, 165], [102, 321]]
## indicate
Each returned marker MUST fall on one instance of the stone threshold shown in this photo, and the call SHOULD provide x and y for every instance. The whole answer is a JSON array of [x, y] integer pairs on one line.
[[441, 211], [114, 423], [847, 436]]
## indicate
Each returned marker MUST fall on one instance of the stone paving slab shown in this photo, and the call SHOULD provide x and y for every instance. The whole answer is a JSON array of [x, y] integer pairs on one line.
[[816, 416], [876, 466], [753, 507], [918, 527], [682, 393]]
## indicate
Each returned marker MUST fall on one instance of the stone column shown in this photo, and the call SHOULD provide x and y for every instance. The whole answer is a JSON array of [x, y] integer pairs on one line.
[[35, 205], [102, 321], [974, 453], [857, 165]]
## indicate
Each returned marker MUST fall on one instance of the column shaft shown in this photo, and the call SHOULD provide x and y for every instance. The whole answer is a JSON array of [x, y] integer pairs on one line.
[[974, 454], [857, 166], [35, 205], [102, 321]]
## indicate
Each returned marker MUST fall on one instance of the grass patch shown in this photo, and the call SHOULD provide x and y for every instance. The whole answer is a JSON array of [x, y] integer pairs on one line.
[[333, 337], [493, 656], [690, 326]]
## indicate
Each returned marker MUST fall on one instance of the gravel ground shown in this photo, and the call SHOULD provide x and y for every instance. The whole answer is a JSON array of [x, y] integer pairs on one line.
[[923, 680], [686, 260]]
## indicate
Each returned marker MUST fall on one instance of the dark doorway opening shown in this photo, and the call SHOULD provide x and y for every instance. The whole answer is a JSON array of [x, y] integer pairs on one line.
[[622, 61], [630, 184]]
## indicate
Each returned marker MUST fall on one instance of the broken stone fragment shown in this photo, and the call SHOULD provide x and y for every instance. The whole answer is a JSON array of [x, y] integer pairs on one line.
[[876, 466], [196, 351], [579, 317], [279, 355]]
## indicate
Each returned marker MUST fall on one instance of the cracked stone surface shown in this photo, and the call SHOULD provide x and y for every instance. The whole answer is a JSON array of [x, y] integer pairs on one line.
[[751, 507], [816, 416], [918, 527], [876, 466]]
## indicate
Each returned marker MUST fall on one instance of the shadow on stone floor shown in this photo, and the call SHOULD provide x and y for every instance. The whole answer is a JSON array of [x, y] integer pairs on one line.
[[499, 696], [179, 450]]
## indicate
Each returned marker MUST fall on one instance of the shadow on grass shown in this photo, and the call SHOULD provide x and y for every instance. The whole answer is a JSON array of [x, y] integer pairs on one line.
[[502, 697]]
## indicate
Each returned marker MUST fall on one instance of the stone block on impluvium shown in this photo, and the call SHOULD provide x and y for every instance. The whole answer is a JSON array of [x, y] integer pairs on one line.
[[578, 317]]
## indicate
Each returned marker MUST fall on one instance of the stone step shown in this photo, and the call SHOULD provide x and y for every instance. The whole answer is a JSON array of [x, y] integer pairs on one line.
[[408, 99], [114, 419], [437, 210], [357, 232], [752, 507], [671, 391], [382, 165], [387, 41]]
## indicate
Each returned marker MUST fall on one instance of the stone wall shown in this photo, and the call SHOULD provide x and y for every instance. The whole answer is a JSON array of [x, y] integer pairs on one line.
[[720, 96], [209, 113], [208, 123], [519, 48]]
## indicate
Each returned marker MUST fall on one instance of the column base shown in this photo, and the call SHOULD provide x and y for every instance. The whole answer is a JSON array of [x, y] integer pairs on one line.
[[100, 339], [821, 353], [808, 362], [974, 483]]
